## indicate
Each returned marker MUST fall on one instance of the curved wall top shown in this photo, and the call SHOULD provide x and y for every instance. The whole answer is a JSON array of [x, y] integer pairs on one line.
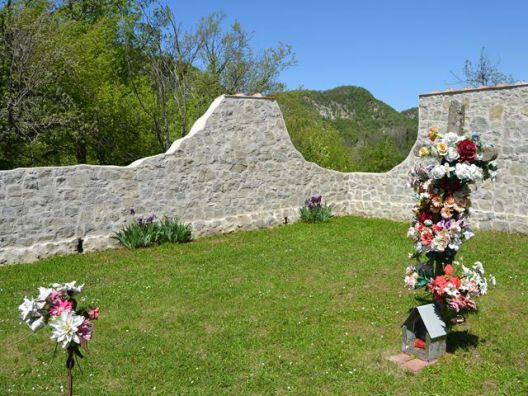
[[237, 169]]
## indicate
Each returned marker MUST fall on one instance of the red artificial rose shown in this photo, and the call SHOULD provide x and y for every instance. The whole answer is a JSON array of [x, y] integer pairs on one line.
[[448, 269], [467, 150]]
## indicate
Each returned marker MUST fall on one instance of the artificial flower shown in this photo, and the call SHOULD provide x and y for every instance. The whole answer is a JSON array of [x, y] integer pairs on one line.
[[30, 309], [65, 328], [60, 307], [452, 154], [451, 138], [467, 149], [441, 148], [93, 313], [85, 330], [438, 172], [433, 133], [423, 152]]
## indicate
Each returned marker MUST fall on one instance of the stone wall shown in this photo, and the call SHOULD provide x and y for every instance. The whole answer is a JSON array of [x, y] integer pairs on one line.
[[237, 169]]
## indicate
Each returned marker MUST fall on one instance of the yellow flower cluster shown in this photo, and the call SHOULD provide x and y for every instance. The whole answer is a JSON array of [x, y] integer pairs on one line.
[[433, 133]]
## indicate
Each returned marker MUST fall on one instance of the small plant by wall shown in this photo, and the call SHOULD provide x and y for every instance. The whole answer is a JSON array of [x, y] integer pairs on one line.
[[151, 231], [314, 211]]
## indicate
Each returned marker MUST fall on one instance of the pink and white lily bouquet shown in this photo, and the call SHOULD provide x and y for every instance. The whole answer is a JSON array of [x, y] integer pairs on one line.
[[56, 306]]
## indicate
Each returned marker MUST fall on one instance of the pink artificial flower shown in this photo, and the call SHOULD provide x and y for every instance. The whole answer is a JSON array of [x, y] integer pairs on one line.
[[85, 330], [427, 237], [461, 302], [60, 307], [93, 313]]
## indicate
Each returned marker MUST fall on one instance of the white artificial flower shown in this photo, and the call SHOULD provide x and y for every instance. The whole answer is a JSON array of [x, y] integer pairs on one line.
[[36, 324], [455, 243], [468, 234], [424, 195], [72, 289], [493, 175], [30, 309], [462, 171], [437, 172], [65, 328], [478, 267], [450, 138], [451, 290], [411, 232], [44, 293], [493, 281], [419, 247], [69, 288], [475, 172], [452, 154], [439, 244], [428, 222], [483, 286], [30, 313]]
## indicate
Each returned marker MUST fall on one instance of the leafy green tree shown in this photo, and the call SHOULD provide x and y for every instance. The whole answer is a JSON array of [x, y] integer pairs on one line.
[[381, 156]]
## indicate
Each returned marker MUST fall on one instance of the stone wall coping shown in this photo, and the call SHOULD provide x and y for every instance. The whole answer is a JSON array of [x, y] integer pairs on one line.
[[243, 96], [475, 89]]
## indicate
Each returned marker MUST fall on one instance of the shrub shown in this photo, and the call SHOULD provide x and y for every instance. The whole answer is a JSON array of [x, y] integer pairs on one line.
[[149, 232], [315, 211]]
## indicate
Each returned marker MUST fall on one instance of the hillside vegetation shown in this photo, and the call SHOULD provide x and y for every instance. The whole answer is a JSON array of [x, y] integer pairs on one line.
[[348, 129]]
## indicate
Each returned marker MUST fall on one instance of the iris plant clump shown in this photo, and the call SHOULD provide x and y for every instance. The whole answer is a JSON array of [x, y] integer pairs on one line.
[[314, 211], [150, 231]]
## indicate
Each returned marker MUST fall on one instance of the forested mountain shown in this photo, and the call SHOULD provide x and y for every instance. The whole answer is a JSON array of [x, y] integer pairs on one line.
[[348, 129], [411, 113]]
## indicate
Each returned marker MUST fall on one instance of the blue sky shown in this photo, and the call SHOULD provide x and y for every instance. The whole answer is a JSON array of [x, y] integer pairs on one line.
[[395, 49]]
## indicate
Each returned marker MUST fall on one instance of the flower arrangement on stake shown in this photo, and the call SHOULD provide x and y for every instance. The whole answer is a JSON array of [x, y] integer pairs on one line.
[[314, 211], [450, 165], [72, 327]]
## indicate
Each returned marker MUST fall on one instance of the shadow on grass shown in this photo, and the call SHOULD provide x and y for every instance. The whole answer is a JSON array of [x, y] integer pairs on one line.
[[461, 340]]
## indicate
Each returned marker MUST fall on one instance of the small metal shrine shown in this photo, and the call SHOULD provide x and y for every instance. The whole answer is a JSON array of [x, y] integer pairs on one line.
[[424, 333]]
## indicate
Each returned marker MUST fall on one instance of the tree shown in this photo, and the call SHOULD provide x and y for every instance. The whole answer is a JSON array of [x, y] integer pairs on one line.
[[484, 73], [30, 107], [110, 81], [229, 57]]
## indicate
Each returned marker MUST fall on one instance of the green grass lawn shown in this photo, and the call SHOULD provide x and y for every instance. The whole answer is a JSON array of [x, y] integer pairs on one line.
[[300, 309]]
